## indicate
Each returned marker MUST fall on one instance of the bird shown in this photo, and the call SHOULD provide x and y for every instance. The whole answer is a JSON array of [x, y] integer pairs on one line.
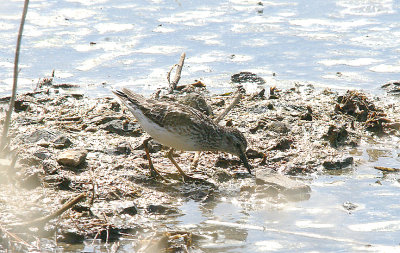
[[182, 127]]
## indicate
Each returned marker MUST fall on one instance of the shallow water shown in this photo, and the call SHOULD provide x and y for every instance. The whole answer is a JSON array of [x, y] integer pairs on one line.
[[357, 210], [338, 44], [352, 210], [342, 44]]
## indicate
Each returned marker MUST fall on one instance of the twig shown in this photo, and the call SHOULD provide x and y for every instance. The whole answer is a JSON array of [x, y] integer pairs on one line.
[[43, 220], [169, 73], [235, 101], [14, 89], [93, 182], [15, 237], [179, 66], [195, 161], [227, 109]]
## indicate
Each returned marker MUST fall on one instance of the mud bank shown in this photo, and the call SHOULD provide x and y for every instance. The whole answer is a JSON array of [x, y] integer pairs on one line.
[[68, 144]]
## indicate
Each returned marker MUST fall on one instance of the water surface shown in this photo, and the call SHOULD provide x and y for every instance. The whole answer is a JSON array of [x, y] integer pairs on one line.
[[342, 44]]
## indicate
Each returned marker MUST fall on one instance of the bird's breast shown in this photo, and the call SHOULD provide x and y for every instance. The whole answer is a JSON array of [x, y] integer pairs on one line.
[[175, 137]]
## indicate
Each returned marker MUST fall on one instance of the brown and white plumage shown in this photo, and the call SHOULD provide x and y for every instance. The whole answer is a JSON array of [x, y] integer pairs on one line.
[[182, 127]]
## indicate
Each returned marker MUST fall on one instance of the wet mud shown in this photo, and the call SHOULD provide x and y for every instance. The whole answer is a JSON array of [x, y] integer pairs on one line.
[[69, 144]]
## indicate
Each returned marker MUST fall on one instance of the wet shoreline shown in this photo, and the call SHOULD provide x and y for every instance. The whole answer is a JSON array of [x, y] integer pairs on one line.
[[69, 144]]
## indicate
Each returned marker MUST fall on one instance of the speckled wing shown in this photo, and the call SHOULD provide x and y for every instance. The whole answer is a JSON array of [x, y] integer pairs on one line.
[[166, 114]]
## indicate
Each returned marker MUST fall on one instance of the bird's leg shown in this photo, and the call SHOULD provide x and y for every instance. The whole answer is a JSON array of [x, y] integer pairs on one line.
[[153, 172], [170, 156], [195, 161]]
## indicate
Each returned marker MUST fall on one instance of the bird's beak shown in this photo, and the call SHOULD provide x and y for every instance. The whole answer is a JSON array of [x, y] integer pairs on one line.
[[243, 157]]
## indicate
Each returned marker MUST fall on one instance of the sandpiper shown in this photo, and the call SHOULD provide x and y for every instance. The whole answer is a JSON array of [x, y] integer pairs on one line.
[[182, 127]]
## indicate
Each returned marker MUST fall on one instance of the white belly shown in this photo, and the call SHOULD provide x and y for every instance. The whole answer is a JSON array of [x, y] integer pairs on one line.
[[163, 136]]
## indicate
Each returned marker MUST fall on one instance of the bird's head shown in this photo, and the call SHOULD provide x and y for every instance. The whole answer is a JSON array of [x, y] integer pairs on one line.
[[235, 143]]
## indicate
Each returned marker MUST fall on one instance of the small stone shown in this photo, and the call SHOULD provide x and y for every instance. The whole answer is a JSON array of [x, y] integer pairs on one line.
[[131, 210], [223, 162], [160, 209], [42, 154], [59, 182], [49, 166], [41, 134], [91, 129], [219, 103], [251, 154], [71, 237], [81, 208], [115, 106], [112, 234], [43, 143], [273, 93], [258, 95], [282, 144], [21, 105], [122, 127], [72, 158], [278, 127], [336, 136], [123, 148], [100, 120], [308, 115], [392, 87], [222, 176], [349, 206], [338, 164], [62, 142], [77, 95], [246, 77]]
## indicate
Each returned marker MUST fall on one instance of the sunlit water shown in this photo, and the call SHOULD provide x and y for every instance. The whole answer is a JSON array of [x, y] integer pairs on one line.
[[354, 210], [344, 44], [338, 44]]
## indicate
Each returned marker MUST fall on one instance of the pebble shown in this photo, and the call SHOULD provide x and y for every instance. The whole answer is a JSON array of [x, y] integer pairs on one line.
[[123, 148], [62, 142], [72, 158], [252, 153], [338, 164], [122, 127], [71, 237], [42, 154], [278, 127], [41, 134], [247, 77], [131, 210], [160, 209]]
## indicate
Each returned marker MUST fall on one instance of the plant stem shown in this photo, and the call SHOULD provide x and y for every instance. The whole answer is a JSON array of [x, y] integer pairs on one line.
[[7, 121]]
